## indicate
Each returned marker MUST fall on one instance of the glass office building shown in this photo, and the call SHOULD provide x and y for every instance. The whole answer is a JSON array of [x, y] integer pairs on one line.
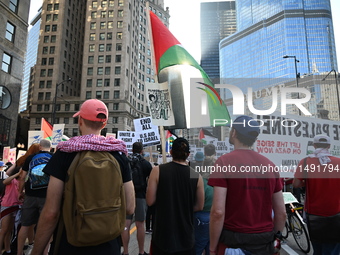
[[267, 30]]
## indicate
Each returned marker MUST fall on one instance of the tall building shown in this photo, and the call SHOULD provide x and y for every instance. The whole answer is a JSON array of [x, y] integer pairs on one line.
[[218, 21], [30, 59], [93, 49], [13, 34], [268, 30]]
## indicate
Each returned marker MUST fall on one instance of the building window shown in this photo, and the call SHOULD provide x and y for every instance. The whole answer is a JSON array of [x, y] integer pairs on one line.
[[46, 107], [90, 71], [90, 60], [111, 3], [115, 120], [67, 107], [117, 70], [120, 2], [101, 47], [40, 96], [98, 94], [10, 32], [48, 17], [94, 4], [66, 121], [55, 17], [111, 14], [107, 70], [56, 7], [88, 94], [47, 28], [46, 39], [54, 28], [118, 58], [51, 61], [52, 49], [109, 36], [45, 50], [99, 83], [117, 82], [116, 106], [42, 72], [118, 47], [100, 59], [48, 96], [49, 7], [93, 25], [108, 47], [102, 36], [119, 35], [39, 107], [89, 83], [110, 24], [108, 59], [104, 4], [44, 61], [41, 84], [92, 37], [103, 14], [102, 25], [116, 94], [92, 48], [106, 95], [120, 13], [53, 38], [75, 130], [13, 5], [93, 15], [50, 72], [107, 83], [49, 84], [100, 71], [119, 24]]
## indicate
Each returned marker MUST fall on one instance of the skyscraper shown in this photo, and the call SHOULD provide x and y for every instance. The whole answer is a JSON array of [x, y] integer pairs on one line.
[[218, 21], [13, 33], [93, 49], [30, 59], [267, 31]]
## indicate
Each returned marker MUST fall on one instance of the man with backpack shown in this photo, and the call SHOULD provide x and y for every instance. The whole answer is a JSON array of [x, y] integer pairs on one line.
[[90, 189], [33, 191], [140, 170]]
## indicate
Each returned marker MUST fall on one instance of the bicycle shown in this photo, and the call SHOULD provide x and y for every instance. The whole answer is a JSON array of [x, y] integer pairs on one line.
[[295, 223]]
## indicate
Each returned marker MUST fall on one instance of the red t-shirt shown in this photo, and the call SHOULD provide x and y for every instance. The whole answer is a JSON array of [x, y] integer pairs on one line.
[[322, 186], [249, 194]]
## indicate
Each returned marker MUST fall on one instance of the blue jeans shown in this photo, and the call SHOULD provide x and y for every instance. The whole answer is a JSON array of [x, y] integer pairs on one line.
[[326, 248], [202, 232]]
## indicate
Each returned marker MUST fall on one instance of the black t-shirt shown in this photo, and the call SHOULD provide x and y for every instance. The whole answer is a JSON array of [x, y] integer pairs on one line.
[[57, 167], [28, 191]]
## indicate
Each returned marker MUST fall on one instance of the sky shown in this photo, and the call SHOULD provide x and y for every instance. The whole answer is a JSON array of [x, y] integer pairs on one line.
[[185, 22]]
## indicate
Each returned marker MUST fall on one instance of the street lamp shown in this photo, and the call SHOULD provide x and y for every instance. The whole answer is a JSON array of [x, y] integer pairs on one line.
[[296, 74], [336, 87], [55, 98]]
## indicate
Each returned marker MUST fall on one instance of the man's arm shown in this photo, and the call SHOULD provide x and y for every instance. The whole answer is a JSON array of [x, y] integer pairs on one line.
[[217, 216], [129, 197], [297, 183], [199, 195], [49, 216], [279, 211], [151, 190]]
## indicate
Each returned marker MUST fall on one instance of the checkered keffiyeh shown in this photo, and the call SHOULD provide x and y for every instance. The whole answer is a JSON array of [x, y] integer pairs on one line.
[[92, 143]]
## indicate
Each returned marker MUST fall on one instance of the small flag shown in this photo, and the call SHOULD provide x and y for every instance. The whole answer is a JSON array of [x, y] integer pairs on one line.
[[205, 136], [47, 128]]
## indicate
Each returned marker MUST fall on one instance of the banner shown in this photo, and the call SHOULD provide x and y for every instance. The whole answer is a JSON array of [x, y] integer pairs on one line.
[[5, 154], [160, 106], [12, 155], [286, 140], [34, 137], [57, 134], [146, 132], [128, 137]]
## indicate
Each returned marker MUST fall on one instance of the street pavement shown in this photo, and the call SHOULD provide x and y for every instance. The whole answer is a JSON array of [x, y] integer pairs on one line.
[[289, 246]]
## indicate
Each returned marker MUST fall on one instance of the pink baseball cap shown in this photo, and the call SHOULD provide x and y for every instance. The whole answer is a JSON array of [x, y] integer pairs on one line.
[[90, 109]]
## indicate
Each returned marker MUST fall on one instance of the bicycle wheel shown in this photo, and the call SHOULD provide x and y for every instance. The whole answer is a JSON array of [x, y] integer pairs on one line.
[[300, 233], [285, 231]]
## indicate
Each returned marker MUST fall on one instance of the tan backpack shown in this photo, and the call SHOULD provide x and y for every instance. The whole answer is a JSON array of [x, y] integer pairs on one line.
[[94, 200]]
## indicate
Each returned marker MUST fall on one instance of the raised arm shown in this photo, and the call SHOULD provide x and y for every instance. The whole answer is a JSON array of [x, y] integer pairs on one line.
[[199, 195]]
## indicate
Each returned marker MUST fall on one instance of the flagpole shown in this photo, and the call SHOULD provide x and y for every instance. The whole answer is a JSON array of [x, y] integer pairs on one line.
[[161, 128]]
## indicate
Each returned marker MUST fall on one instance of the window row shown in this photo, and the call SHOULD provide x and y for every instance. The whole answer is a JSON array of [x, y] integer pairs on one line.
[[106, 59], [105, 25], [44, 61], [100, 82], [48, 39], [103, 71], [6, 63], [10, 31], [50, 7], [51, 51], [102, 47], [50, 17], [110, 3], [43, 72], [48, 28], [102, 94]]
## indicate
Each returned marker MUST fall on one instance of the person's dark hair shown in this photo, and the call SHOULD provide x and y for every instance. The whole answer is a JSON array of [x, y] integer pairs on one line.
[[209, 150], [245, 140], [137, 147], [321, 145], [180, 149], [152, 96]]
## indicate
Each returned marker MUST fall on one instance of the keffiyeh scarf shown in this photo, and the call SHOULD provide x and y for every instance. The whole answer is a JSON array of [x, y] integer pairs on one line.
[[322, 154], [92, 143]]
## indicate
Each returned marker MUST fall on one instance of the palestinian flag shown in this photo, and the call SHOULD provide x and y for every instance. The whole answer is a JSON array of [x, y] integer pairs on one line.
[[205, 136], [47, 128], [172, 62]]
